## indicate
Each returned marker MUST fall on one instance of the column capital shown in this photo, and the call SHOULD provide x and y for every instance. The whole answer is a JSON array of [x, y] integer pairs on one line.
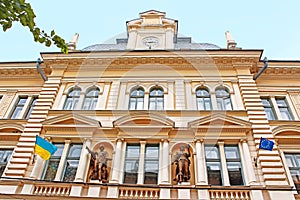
[[201, 140], [68, 141], [221, 143], [120, 140], [243, 140], [143, 142], [164, 140]]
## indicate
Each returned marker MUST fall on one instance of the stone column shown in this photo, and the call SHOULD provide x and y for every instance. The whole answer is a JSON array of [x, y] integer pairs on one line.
[[62, 161], [80, 101], [116, 164], [82, 167], [63, 100], [38, 168], [146, 100], [201, 169], [59, 97], [101, 104], [165, 179], [141, 163], [248, 164], [171, 95], [224, 165], [190, 104], [113, 191], [213, 100], [121, 99]]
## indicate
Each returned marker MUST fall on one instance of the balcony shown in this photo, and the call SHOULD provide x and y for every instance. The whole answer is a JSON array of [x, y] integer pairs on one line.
[[229, 194]]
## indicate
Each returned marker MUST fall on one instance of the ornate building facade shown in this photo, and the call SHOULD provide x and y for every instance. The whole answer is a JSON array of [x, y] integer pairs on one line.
[[154, 116]]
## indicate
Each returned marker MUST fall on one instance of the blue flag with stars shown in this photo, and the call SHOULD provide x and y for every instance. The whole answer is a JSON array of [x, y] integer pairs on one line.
[[266, 144]]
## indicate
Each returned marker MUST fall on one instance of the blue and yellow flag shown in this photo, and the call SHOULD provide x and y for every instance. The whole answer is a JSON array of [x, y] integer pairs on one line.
[[43, 148]]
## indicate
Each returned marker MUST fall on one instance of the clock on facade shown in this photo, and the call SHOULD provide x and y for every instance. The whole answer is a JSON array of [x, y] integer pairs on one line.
[[151, 42]]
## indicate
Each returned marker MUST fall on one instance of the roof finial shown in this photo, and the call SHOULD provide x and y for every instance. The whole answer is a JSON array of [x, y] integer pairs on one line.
[[73, 42], [231, 44]]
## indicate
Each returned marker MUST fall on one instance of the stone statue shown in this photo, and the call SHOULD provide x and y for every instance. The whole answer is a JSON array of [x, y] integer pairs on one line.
[[182, 162], [98, 165], [73, 42], [231, 44]]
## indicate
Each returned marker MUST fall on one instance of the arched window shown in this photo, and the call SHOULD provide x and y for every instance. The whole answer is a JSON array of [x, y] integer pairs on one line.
[[72, 99], [136, 101], [156, 99], [223, 99], [90, 100], [203, 99]]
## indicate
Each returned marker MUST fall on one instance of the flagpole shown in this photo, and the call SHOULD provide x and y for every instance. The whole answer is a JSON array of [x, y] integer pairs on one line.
[[33, 157]]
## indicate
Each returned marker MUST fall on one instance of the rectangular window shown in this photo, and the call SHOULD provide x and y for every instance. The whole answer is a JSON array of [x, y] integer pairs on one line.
[[131, 163], [151, 164], [293, 162], [31, 106], [72, 162], [234, 165], [5, 155], [213, 164], [215, 172], [18, 108], [284, 109], [268, 108], [70, 166], [53, 162]]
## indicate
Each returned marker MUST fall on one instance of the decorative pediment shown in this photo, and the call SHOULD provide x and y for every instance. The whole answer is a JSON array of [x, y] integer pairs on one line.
[[71, 123], [143, 119], [143, 125], [220, 125], [287, 130]]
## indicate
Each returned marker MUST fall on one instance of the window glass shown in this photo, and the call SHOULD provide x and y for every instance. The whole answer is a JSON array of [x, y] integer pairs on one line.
[[234, 165], [90, 100], [32, 104], [223, 99], [72, 99], [5, 155], [156, 99], [53, 162], [203, 99], [213, 164], [136, 101], [151, 164], [18, 108], [72, 162], [131, 164], [293, 163], [284, 109]]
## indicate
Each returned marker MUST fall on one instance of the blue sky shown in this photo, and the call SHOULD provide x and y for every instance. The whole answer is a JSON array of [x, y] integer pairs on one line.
[[269, 25]]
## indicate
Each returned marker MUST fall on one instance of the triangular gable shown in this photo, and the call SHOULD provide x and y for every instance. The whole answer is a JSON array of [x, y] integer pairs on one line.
[[219, 120], [143, 119], [71, 119]]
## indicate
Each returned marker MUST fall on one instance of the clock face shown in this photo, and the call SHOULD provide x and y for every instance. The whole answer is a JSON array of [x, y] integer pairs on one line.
[[151, 42]]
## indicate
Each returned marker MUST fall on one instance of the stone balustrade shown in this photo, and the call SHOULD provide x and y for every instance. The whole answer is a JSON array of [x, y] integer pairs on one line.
[[138, 193], [52, 190], [229, 194]]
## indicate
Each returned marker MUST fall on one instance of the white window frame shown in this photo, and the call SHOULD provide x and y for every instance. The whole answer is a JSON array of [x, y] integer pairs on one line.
[[25, 108]]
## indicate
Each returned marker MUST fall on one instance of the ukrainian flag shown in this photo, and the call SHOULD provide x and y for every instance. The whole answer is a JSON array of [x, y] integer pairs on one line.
[[44, 148]]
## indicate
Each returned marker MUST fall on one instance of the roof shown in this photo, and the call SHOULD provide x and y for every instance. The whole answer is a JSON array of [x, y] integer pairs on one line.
[[183, 43]]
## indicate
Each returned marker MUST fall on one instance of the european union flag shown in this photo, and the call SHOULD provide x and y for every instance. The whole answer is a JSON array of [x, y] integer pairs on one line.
[[266, 144], [44, 148]]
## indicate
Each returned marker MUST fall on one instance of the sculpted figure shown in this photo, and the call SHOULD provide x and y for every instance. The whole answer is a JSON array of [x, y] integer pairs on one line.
[[182, 162], [98, 165]]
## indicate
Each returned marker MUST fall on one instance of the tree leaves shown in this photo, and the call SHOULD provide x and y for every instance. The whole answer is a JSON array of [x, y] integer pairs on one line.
[[20, 11]]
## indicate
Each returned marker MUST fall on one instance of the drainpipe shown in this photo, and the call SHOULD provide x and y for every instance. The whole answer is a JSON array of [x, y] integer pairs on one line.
[[262, 69], [38, 62]]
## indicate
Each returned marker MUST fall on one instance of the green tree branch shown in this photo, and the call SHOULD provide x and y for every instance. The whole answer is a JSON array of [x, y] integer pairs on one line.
[[20, 11]]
